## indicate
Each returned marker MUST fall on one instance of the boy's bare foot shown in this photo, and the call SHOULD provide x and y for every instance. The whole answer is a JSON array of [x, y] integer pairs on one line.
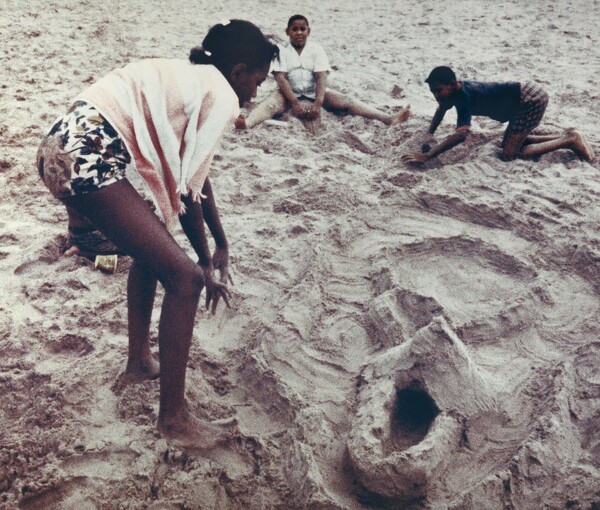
[[401, 116], [187, 431], [581, 146], [240, 122]]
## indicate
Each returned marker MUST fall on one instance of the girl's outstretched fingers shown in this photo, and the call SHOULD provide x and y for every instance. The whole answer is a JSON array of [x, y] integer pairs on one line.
[[214, 292]]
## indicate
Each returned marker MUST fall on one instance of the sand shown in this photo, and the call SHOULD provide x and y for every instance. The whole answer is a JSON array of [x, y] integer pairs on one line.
[[399, 337]]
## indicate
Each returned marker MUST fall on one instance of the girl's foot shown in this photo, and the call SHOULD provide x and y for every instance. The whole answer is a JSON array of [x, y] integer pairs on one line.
[[187, 431], [401, 116], [141, 370]]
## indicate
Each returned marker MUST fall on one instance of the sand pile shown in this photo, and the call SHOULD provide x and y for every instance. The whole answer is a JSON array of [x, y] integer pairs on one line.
[[400, 337]]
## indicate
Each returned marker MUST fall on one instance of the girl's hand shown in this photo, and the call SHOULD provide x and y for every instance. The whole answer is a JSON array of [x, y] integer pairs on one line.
[[214, 291]]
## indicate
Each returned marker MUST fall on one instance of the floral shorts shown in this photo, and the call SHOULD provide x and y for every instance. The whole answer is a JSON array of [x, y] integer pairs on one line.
[[533, 106], [81, 153]]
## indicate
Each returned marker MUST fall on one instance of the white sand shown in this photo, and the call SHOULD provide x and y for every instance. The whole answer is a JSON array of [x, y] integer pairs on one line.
[[475, 278]]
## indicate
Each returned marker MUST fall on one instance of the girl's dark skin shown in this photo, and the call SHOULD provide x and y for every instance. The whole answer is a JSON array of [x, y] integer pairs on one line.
[[121, 214]]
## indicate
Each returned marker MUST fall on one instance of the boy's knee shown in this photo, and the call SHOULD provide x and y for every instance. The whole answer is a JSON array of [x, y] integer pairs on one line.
[[344, 103], [512, 145], [507, 155], [275, 104], [273, 109]]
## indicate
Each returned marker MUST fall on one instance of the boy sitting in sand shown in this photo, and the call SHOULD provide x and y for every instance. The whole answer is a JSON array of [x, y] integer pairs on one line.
[[521, 104], [301, 74]]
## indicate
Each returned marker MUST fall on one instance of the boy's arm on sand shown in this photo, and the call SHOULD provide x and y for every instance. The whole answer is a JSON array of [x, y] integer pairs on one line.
[[453, 140], [438, 116], [288, 93]]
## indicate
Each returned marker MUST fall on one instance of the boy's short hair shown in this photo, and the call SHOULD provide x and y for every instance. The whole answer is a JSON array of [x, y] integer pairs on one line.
[[297, 17], [441, 74]]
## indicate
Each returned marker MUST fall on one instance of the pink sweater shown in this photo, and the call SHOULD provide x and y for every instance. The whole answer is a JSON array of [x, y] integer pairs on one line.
[[171, 115]]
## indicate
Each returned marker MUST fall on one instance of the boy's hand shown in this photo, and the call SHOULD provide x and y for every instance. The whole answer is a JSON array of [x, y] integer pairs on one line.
[[314, 112], [415, 157], [298, 110]]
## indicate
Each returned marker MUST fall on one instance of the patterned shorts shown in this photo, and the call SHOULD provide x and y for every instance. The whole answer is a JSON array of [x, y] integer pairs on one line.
[[81, 153], [533, 105]]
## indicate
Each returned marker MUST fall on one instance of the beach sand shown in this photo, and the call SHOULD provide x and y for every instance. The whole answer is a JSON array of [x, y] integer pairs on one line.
[[399, 337]]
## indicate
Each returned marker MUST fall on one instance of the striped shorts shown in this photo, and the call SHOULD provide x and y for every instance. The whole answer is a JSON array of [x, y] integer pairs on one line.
[[533, 105]]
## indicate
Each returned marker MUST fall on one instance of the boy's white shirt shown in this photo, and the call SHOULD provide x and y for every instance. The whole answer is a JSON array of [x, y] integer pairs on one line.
[[300, 68]]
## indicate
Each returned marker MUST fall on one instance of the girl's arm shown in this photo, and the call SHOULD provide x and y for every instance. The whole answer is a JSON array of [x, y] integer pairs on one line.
[[192, 222], [211, 216]]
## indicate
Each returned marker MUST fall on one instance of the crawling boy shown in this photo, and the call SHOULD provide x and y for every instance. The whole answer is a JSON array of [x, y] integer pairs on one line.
[[522, 105]]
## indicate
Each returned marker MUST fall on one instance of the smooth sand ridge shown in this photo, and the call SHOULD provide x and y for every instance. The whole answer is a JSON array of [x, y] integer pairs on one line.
[[436, 326]]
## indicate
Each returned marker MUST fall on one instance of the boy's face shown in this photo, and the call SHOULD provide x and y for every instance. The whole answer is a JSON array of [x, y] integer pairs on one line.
[[298, 33], [442, 91]]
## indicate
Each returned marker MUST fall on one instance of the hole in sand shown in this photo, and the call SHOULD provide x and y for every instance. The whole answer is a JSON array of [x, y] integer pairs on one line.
[[413, 414]]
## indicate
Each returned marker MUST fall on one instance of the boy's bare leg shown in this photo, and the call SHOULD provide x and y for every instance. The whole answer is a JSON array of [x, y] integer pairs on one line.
[[273, 105], [542, 138], [123, 216], [141, 290], [339, 101], [572, 139]]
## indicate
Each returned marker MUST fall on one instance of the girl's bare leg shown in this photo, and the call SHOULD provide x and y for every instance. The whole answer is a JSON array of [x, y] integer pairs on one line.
[[125, 218], [79, 228], [339, 101], [141, 290], [76, 220]]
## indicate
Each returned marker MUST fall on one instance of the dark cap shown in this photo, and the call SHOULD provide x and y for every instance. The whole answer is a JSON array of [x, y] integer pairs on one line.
[[441, 74]]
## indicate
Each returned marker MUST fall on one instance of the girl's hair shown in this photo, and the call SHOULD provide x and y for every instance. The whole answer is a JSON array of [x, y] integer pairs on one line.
[[296, 17], [235, 42]]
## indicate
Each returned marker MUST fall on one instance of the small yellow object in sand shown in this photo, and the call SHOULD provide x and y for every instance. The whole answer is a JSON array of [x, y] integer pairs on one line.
[[106, 263]]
